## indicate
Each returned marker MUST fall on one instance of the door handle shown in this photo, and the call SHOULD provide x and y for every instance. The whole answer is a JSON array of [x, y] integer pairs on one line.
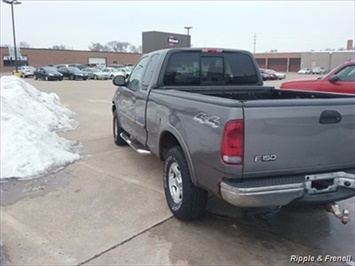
[[330, 117]]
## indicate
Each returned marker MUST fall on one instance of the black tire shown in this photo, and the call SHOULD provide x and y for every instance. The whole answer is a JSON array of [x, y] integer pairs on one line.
[[117, 130], [35, 77], [71, 77], [185, 200], [46, 78]]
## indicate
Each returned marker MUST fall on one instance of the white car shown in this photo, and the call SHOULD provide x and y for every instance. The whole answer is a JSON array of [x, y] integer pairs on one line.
[[113, 72], [319, 70], [26, 71], [304, 70], [96, 73]]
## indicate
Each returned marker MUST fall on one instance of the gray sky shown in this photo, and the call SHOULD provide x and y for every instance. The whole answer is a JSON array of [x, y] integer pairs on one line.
[[283, 25]]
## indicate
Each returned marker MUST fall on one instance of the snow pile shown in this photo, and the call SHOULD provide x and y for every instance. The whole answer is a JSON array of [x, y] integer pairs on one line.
[[29, 118]]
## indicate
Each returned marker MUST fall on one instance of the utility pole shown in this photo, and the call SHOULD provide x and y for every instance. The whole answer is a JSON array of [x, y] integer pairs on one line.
[[254, 43]]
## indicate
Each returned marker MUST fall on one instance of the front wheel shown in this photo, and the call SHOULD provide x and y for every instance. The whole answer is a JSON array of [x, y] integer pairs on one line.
[[185, 200], [117, 130]]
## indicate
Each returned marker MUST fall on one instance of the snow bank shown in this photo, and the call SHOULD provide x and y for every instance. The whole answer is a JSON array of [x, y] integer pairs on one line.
[[29, 118]]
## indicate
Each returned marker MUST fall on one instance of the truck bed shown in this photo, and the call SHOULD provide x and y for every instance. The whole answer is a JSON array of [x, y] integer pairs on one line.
[[250, 93]]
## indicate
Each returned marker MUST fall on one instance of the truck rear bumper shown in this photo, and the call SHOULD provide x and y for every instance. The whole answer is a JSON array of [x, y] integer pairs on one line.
[[280, 191]]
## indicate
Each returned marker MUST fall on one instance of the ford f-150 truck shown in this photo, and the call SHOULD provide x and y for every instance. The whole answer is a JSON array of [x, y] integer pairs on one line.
[[207, 115]]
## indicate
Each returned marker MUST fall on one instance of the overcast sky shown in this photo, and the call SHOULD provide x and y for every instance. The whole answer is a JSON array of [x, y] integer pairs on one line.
[[286, 26]]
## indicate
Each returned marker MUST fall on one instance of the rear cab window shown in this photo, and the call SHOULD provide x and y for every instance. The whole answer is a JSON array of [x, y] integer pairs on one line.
[[187, 68]]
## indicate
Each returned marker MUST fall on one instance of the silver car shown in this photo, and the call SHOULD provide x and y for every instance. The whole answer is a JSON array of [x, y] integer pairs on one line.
[[96, 73], [113, 72]]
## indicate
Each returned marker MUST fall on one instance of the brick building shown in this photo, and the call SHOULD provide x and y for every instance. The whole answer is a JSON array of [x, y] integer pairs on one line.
[[42, 57], [285, 62]]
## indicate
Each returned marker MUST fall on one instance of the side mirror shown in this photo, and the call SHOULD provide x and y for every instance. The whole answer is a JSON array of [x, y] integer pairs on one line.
[[334, 78], [119, 80]]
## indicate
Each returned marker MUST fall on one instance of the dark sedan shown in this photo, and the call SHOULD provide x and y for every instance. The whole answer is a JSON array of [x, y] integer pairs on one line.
[[73, 73], [47, 73]]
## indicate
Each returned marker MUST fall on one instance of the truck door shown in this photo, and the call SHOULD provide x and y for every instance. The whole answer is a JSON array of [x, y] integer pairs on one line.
[[142, 98], [127, 100]]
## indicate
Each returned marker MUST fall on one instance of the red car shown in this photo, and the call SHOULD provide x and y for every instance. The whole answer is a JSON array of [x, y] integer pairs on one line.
[[340, 80]]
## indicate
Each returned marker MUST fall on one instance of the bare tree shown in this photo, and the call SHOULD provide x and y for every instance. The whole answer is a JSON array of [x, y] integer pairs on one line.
[[5, 45], [59, 47], [98, 47], [115, 46], [24, 44]]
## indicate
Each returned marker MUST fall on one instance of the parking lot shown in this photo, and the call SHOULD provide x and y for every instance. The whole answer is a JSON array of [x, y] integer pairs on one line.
[[109, 208]]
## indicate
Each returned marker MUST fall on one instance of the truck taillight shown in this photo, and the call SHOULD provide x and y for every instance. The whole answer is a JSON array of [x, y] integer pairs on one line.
[[232, 150]]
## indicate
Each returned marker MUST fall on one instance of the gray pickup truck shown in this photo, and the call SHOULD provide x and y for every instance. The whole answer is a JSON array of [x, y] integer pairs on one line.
[[207, 115]]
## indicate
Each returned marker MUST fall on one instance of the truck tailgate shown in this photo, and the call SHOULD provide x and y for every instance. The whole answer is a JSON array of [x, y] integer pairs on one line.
[[290, 139]]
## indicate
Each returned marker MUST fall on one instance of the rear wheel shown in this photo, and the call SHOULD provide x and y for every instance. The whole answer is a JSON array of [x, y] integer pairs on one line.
[[185, 200], [117, 130]]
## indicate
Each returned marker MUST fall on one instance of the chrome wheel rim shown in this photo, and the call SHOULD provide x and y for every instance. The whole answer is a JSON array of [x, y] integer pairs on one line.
[[175, 183]]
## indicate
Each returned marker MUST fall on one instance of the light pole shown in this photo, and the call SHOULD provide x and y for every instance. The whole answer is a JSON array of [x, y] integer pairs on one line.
[[188, 29], [12, 3], [188, 33]]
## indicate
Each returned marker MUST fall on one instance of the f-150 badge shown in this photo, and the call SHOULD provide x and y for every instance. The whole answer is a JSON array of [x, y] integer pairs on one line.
[[203, 118], [265, 158]]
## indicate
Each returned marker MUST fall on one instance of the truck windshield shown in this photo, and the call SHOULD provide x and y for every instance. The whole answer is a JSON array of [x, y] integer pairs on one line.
[[195, 68]]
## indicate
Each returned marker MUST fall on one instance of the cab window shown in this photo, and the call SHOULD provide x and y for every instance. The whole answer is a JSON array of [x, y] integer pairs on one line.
[[136, 75]]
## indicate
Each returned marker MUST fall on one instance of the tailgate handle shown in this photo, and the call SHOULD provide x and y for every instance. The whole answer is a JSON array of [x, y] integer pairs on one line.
[[330, 117]]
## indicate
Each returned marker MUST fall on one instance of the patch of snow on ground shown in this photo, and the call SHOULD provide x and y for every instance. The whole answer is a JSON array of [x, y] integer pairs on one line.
[[29, 119]]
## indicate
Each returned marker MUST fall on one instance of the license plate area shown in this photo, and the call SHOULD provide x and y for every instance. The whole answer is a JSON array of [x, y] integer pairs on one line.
[[321, 183]]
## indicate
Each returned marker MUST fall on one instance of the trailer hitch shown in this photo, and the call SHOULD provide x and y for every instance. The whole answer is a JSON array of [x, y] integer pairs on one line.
[[344, 216]]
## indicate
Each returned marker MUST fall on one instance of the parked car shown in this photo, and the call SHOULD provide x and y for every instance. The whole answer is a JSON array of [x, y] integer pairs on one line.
[[265, 76], [304, 70], [113, 72], [279, 75], [219, 131], [268, 75], [339, 80], [80, 66], [47, 73], [96, 73], [26, 71], [319, 70], [73, 73]]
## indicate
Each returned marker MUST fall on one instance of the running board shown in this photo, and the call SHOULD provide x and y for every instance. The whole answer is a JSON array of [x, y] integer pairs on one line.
[[135, 145]]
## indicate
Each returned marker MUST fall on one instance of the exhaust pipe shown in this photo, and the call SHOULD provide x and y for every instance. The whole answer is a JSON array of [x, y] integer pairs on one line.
[[344, 216]]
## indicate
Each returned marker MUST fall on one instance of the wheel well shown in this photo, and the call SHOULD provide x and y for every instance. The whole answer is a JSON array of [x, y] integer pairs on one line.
[[113, 107], [167, 141]]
